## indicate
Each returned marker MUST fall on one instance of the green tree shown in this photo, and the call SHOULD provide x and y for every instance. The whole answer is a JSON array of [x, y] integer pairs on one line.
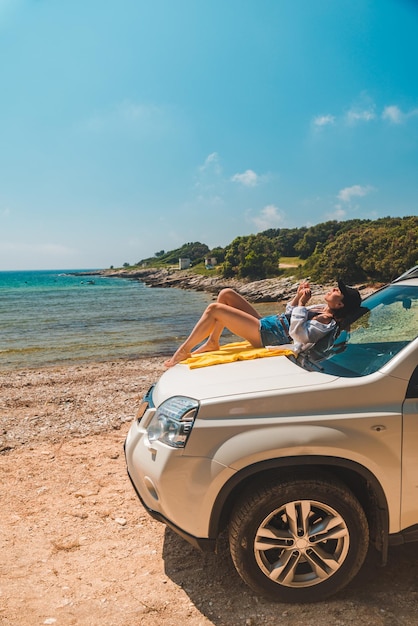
[[253, 257], [218, 253], [317, 237], [372, 251]]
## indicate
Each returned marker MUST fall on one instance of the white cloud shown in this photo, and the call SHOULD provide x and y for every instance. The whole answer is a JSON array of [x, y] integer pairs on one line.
[[338, 214], [269, 217], [346, 194], [393, 114], [248, 178], [324, 120], [5, 212], [209, 184], [213, 156], [211, 166], [364, 112], [211, 163], [360, 115]]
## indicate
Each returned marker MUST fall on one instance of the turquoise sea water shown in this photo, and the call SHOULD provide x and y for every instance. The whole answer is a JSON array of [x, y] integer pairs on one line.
[[54, 317]]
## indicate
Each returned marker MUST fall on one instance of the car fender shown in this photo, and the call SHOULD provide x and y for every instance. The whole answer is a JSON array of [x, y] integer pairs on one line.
[[373, 443]]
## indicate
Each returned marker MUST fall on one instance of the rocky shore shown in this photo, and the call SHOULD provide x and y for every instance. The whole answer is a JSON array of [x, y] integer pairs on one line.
[[268, 290]]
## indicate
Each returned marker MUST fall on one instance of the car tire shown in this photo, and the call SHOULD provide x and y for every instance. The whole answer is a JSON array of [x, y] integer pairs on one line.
[[300, 540]]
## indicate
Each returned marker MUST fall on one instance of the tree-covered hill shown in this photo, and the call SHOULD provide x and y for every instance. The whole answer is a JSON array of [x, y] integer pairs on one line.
[[355, 250], [373, 251], [195, 251]]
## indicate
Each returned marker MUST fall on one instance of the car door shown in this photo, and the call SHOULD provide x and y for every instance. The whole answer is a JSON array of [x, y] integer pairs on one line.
[[409, 500]]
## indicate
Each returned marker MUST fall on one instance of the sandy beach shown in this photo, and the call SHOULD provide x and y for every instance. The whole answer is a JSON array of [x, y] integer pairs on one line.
[[78, 548]]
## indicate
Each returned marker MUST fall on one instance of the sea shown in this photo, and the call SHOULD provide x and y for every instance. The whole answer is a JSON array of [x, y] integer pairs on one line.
[[60, 317]]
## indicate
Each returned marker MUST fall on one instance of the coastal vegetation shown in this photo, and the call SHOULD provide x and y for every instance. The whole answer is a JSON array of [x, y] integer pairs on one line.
[[356, 250]]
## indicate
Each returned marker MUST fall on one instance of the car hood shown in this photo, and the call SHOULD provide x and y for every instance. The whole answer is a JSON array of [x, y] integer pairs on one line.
[[237, 378]]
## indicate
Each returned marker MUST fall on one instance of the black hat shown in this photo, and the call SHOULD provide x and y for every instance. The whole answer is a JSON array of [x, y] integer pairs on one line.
[[351, 299]]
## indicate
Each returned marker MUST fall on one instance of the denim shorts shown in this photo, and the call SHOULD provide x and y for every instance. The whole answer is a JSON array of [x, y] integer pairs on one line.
[[272, 331]]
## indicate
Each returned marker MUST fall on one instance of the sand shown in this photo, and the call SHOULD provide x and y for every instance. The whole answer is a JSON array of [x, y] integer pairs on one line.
[[78, 548]]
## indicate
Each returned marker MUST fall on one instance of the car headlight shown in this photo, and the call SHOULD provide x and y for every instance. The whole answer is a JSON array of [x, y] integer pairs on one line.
[[173, 421]]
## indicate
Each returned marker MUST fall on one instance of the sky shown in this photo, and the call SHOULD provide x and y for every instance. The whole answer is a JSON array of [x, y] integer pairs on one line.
[[128, 127]]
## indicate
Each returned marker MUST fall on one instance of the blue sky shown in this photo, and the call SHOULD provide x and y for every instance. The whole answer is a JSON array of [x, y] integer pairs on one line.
[[131, 126]]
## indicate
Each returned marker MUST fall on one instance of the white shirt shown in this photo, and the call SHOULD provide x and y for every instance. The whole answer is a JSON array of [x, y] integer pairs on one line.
[[306, 332]]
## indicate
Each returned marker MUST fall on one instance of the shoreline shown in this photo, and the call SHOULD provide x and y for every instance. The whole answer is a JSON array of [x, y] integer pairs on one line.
[[260, 292], [265, 290]]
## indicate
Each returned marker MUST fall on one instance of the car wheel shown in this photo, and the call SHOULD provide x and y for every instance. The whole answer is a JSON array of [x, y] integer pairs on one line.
[[298, 541]]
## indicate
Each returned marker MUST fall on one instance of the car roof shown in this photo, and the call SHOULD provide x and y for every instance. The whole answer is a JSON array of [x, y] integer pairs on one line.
[[411, 273]]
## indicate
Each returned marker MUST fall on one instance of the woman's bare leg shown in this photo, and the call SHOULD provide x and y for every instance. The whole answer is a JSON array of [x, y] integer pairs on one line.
[[233, 299], [239, 322]]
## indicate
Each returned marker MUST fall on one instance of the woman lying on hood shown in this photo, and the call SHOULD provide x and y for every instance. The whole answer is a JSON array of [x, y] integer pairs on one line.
[[300, 324]]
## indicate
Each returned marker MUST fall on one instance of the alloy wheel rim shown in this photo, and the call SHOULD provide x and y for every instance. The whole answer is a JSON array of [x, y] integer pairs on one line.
[[302, 543]]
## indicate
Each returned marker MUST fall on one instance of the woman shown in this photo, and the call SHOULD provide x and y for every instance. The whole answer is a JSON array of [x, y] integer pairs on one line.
[[300, 324]]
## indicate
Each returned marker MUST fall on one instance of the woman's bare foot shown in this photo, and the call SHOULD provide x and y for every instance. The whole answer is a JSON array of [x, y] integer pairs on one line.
[[208, 346], [180, 355]]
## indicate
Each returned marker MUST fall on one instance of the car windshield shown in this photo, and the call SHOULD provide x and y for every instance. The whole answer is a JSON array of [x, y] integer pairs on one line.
[[389, 322]]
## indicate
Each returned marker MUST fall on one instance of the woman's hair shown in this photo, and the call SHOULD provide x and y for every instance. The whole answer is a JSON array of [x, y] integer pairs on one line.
[[344, 319], [338, 314], [340, 320]]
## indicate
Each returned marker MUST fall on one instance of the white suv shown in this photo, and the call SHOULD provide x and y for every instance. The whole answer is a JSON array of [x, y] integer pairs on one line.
[[306, 460]]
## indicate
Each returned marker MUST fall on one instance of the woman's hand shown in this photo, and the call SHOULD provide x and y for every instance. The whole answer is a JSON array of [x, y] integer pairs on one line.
[[303, 294], [302, 286]]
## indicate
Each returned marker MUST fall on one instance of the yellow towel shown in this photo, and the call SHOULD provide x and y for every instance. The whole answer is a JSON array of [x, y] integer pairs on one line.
[[237, 351]]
